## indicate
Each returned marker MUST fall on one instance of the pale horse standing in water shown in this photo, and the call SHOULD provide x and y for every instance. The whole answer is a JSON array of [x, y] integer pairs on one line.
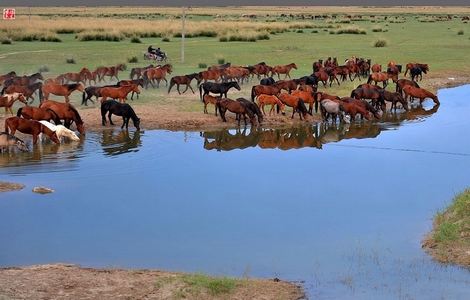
[[61, 131]]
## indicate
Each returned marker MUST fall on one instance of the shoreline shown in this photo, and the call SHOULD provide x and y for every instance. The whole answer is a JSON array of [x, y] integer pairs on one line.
[[66, 281]]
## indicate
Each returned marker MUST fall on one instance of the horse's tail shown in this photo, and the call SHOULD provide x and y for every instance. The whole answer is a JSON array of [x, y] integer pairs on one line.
[[78, 119], [83, 98], [316, 102], [200, 93], [55, 117], [18, 113], [253, 93], [369, 80]]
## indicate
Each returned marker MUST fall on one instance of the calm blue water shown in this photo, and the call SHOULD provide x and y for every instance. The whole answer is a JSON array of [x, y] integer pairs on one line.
[[343, 210]]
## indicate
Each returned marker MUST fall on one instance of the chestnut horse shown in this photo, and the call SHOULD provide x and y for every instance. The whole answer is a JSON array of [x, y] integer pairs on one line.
[[118, 92], [421, 94], [404, 82], [307, 97], [287, 85], [283, 69], [257, 90], [113, 71], [296, 103], [262, 69], [22, 80], [38, 114], [381, 77], [29, 127], [8, 100], [211, 75], [423, 67], [158, 73], [66, 112], [184, 79], [61, 90], [272, 100], [139, 72], [376, 68], [212, 100]]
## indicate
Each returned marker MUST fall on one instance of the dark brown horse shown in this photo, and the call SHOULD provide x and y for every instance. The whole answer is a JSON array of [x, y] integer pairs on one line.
[[296, 103], [375, 95], [27, 91], [29, 127], [237, 108], [423, 67], [61, 90], [7, 76], [38, 114], [421, 94], [404, 82], [262, 69], [395, 98], [186, 80], [139, 72], [212, 100], [22, 80], [66, 112]]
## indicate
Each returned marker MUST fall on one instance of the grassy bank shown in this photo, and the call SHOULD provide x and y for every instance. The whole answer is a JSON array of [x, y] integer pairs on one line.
[[449, 241], [61, 281]]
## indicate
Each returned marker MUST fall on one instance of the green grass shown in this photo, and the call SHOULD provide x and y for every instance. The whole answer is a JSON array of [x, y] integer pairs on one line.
[[215, 286], [446, 232], [428, 42]]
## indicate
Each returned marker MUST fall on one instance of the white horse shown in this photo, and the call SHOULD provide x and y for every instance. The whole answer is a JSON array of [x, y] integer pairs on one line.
[[61, 131], [8, 100], [332, 108]]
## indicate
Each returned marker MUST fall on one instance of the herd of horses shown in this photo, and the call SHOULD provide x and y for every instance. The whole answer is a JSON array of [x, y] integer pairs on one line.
[[368, 100]]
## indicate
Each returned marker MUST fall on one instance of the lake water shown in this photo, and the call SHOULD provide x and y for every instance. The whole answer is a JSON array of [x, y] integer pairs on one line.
[[342, 209]]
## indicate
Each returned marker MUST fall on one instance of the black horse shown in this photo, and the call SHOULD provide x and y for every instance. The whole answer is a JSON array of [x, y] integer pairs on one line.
[[253, 107], [308, 80], [267, 81], [416, 72], [119, 109], [217, 88]]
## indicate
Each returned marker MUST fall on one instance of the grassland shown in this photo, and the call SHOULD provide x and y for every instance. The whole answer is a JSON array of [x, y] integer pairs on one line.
[[449, 241], [73, 282], [291, 39]]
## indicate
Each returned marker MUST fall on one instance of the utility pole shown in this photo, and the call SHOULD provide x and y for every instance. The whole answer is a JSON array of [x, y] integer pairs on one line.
[[183, 18], [29, 14]]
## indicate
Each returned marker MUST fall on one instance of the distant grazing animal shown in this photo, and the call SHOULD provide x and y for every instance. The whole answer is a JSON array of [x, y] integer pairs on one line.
[[61, 131], [119, 109], [8, 100], [283, 69], [29, 127], [8, 140]]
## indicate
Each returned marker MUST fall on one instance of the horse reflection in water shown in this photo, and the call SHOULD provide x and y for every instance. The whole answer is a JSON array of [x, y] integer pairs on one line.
[[120, 142], [308, 136]]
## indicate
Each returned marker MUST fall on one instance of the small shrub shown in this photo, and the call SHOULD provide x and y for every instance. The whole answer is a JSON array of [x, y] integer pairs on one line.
[[380, 43], [43, 69], [99, 35], [221, 61], [5, 41], [446, 232], [460, 32], [215, 286], [223, 39], [133, 60], [314, 31], [165, 39], [377, 29], [70, 61], [202, 65], [136, 40], [300, 31]]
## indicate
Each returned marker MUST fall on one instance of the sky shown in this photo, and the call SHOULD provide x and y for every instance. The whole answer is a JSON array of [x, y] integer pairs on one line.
[[228, 2]]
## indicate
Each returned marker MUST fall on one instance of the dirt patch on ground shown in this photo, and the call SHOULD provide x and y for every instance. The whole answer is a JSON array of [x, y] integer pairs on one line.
[[60, 281], [10, 186]]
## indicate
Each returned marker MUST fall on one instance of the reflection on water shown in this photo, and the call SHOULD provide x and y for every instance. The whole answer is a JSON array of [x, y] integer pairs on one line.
[[308, 136], [120, 142]]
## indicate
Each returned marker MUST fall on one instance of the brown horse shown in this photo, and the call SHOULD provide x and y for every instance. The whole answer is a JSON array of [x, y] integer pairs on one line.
[[8, 100], [421, 94], [109, 71], [395, 98], [353, 107], [307, 97], [296, 103], [38, 114], [262, 69], [27, 91], [287, 85], [423, 67], [23, 80], [118, 92], [404, 82], [7, 76], [61, 90], [139, 72], [212, 100], [374, 94], [236, 73], [86, 74], [211, 75], [283, 69], [236, 107], [29, 127], [381, 77], [66, 112], [264, 89], [158, 73], [272, 100], [184, 79], [72, 77], [376, 68]]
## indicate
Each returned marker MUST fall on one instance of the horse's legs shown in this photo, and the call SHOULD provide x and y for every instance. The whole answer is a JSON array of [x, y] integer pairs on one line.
[[35, 139], [103, 117], [205, 107], [109, 117], [178, 88], [189, 85], [166, 81]]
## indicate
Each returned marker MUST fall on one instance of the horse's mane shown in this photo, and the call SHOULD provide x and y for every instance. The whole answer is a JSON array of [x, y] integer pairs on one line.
[[77, 115], [72, 86]]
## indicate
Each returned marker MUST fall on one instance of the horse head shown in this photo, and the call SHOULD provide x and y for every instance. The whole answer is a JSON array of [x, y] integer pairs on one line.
[[21, 98], [136, 123], [235, 85]]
